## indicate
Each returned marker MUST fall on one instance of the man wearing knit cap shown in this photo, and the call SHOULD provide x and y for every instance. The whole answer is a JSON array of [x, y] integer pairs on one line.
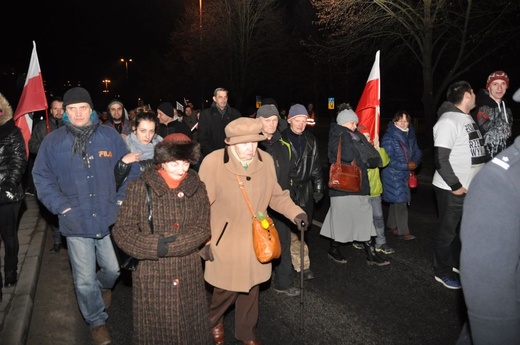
[[117, 118], [73, 173], [494, 119], [213, 120], [306, 178], [280, 150], [167, 122]]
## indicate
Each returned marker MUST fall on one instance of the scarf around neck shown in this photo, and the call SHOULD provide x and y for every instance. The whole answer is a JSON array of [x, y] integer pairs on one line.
[[134, 145], [81, 135]]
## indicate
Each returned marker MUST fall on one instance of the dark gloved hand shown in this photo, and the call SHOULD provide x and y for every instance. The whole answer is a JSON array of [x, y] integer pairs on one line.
[[302, 223], [317, 196], [206, 253], [162, 245]]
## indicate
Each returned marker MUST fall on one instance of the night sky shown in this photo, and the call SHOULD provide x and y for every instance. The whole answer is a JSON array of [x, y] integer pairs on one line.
[[85, 40]]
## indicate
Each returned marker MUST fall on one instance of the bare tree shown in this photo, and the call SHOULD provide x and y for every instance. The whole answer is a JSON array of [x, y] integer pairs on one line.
[[235, 48], [447, 37]]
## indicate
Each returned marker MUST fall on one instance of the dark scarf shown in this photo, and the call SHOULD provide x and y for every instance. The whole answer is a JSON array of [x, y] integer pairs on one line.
[[81, 135], [298, 141]]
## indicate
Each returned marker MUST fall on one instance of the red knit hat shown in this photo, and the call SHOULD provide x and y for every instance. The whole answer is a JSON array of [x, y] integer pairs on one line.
[[497, 75]]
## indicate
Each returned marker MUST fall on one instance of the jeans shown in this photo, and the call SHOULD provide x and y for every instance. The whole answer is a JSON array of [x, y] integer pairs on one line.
[[378, 219], [84, 254], [446, 240]]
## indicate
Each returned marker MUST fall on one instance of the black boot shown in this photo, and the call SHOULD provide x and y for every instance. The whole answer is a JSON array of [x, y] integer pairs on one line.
[[372, 257], [10, 278], [335, 253]]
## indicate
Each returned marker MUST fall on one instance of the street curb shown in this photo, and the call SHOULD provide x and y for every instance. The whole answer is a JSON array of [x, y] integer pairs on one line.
[[19, 311]]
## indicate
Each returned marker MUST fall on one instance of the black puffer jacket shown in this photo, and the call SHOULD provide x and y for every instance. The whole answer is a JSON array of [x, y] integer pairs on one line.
[[13, 156], [306, 176]]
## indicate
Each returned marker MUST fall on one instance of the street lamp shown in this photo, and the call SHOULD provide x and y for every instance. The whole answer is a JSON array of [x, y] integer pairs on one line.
[[126, 61], [106, 82]]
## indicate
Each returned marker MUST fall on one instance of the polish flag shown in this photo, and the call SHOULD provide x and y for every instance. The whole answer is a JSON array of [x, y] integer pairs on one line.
[[368, 107], [33, 98]]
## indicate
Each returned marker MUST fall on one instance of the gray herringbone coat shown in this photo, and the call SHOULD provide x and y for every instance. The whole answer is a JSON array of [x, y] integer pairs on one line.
[[169, 297]]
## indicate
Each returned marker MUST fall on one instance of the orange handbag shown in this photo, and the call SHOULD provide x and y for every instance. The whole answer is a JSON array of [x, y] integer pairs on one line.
[[266, 242]]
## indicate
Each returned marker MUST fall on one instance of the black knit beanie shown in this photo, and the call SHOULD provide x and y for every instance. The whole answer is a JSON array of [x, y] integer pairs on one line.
[[77, 95], [166, 108]]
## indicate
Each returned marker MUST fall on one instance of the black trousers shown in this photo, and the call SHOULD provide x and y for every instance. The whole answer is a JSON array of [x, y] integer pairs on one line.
[[283, 269], [9, 214], [446, 238]]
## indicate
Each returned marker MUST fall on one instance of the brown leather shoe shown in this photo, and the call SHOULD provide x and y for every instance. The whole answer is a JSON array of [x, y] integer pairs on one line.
[[252, 342], [100, 335], [217, 333]]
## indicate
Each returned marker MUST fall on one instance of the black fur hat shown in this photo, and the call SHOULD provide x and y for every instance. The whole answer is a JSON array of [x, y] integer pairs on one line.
[[176, 147]]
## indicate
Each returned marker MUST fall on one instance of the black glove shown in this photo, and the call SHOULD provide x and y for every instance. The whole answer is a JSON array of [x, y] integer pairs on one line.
[[162, 245], [206, 253], [317, 196], [302, 222]]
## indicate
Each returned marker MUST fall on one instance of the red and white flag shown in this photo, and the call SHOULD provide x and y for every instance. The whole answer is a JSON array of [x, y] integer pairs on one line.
[[33, 98], [368, 107]]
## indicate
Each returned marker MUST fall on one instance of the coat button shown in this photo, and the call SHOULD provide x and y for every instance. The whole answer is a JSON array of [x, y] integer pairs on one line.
[[180, 195], [175, 282]]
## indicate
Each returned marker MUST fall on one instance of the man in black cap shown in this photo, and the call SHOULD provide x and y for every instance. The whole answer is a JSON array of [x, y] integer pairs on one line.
[[167, 122], [73, 174]]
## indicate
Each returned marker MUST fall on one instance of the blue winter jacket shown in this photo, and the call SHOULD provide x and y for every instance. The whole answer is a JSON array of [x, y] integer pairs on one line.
[[395, 175], [63, 180]]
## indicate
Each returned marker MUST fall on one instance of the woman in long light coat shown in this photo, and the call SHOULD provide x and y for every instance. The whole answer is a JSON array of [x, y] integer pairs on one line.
[[233, 269]]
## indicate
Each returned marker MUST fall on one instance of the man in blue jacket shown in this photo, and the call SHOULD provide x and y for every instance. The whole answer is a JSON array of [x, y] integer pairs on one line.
[[74, 178]]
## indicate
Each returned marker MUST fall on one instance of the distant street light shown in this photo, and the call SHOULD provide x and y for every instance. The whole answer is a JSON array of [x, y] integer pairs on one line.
[[126, 61], [200, 21], [106, 82]]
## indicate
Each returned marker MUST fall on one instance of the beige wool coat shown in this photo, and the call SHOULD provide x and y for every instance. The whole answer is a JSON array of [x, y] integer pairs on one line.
[[235, 266]]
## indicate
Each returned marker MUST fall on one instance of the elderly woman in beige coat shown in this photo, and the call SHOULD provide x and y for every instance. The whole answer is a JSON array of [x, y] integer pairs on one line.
[[233, 269]]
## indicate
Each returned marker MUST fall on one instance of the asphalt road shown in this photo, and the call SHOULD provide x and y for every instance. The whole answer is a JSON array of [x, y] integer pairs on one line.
[[345, 304]]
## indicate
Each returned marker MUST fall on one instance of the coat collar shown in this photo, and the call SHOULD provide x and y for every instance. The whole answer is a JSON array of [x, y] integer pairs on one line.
[[234, 166]]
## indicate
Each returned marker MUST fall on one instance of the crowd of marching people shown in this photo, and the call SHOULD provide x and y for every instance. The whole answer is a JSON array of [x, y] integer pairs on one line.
[[165, 186]]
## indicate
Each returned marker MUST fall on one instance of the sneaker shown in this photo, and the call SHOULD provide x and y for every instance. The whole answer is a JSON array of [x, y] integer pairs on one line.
[[291, 292], [451, 281], [456, 270], [100, 335], [407, 237], [358, 245], [394, 231], [106, 294], [385, 249]]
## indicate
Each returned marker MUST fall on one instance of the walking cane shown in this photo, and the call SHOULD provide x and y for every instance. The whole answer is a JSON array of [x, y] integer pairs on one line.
[[302, 246]]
